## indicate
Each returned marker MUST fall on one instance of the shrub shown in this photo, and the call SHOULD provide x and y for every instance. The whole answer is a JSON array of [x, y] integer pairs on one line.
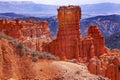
[[34, 53], [46, 55], [25, 50], [19, 46], [10, 39], [41, 55], [34, 59]]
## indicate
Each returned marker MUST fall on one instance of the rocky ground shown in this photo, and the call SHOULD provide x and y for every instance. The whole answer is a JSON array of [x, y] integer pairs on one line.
[[16, 67]]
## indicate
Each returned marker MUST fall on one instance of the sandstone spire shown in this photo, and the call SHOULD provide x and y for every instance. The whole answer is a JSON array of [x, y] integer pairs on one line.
[[69, 39], [98, 40]]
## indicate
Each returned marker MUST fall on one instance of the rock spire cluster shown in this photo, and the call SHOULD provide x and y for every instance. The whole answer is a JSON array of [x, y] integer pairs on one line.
[[69, 43], [90, 50], [31, 33]]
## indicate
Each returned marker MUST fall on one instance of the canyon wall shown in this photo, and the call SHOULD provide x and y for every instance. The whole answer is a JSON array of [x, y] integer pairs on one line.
[[69, 43], [16, 67], [69, 36], [91, 50], [93, 43], [31, 33]]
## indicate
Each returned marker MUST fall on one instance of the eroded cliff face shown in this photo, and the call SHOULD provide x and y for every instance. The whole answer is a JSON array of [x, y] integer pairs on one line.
[[8, 60], [106, 65], [12, 65], [91, 50], [93, 43], [69, 43], [69, 46], [30, 32], [16, 67]]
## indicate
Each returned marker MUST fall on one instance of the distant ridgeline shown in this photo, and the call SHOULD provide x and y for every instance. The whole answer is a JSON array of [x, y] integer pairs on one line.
[[109, 24], [113, 41], [69, 45]]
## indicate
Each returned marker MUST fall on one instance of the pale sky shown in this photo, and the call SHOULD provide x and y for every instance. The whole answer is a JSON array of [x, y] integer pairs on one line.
[[68, 2]]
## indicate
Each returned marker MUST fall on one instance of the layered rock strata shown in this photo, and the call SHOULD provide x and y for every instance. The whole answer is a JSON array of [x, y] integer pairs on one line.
[[69, 43], [69, 39], [16, 67], [31, 33], [91, 50]]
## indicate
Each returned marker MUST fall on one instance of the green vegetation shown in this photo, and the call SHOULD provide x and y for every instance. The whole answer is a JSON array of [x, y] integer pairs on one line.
[[43, 55], [24, 50], [10, 39]]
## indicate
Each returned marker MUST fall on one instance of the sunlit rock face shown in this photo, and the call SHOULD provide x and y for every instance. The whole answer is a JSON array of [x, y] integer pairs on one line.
[[69, 43], [93, 43], [35, 33], [11, 28], [31, 33], [98, 40], [106, 65], [91, 50], [16, 67], [69, 46]]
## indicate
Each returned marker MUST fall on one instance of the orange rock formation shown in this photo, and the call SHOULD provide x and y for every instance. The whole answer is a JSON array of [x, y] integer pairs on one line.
[[30, 32], [69, 43], [15, 67], [90, 50], [11, 28], [93, 43]]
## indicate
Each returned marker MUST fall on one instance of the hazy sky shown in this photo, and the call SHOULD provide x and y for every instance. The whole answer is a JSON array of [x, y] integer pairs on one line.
[[68, 2]]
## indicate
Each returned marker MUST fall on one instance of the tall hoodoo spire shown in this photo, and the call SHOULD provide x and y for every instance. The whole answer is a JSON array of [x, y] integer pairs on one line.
[[69, 42], [69, 36]]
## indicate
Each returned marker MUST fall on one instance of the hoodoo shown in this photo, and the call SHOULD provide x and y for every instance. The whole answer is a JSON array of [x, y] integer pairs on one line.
[[69, 39], [69, 46], [69, 43], [31, 33]]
